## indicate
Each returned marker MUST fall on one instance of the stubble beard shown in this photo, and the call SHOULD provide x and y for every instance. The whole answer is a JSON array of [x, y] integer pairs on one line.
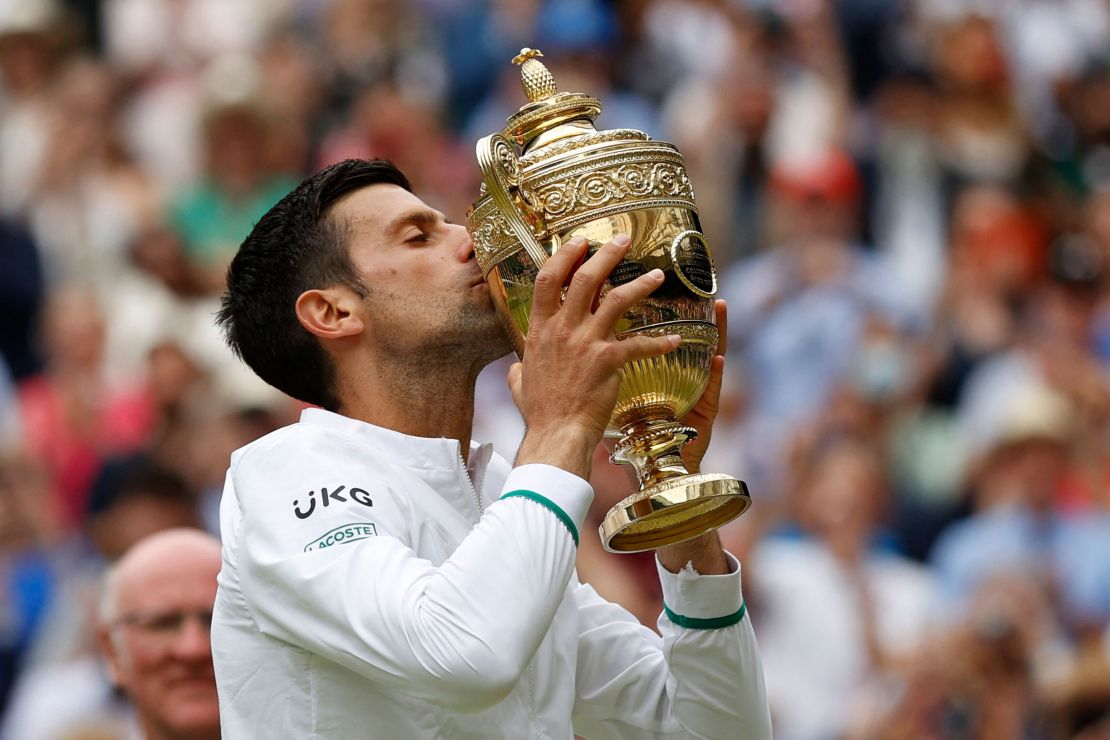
[[480, 334], [468, 334]]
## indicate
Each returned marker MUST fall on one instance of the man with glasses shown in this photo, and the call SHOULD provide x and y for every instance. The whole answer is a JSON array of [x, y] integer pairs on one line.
[[155, 613]]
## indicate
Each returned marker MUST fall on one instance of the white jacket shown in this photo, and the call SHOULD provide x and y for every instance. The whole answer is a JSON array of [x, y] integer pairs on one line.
[[369, 590]]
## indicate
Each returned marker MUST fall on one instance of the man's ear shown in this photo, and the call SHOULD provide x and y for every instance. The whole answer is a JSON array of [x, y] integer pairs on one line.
[[330, 313], [112, 658]]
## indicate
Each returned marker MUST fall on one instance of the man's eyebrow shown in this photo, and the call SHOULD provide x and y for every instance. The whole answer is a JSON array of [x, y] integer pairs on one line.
[[421, 217]]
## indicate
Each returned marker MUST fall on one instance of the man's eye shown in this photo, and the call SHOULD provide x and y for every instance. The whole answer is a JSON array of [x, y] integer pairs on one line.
[[421, 237], [162, 622]]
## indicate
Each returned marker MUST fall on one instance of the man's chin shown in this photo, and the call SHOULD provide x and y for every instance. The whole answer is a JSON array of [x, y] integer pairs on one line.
[[194, 713], [501, 336], [491, 339]]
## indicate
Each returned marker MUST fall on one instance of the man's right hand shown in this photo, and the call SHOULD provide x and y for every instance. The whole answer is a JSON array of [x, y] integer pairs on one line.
[[566, 386]]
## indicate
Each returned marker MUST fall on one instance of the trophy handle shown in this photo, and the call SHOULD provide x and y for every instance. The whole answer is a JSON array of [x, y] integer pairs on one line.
[[501, 173]]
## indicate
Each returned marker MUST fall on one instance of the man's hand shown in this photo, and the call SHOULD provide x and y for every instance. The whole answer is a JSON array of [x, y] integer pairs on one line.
[[566, 386], [704, 413], [704, 553]]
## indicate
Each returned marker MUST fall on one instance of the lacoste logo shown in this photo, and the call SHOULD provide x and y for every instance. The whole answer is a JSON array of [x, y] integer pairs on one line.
[[343, 534], [357, 495]]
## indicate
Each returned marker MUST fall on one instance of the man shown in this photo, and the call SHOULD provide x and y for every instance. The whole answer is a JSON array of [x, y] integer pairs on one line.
[[385, 577], [155, 615]]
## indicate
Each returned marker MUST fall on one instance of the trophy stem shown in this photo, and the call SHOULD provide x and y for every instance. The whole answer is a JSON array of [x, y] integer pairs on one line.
[[672, 505], [652, 448]]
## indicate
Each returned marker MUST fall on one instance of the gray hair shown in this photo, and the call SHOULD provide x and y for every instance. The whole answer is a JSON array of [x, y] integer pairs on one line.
[[107, 606]]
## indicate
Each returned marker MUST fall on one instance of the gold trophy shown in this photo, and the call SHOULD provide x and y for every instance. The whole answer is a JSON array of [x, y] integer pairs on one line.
[[551, 176]]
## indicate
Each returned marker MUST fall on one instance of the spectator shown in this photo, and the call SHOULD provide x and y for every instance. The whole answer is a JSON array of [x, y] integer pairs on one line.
[[1054, 346], [29, 578], [1017, 526], [133, 499], [74, 417], [981, 135], [90, 197], [980, 678], [155, 613], [239, 186], [29, 63], [389, 123], [22, 292], [840, 607], [799, 311]]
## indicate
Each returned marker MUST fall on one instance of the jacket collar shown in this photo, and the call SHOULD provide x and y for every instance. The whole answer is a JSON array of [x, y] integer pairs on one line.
[[418, 453]]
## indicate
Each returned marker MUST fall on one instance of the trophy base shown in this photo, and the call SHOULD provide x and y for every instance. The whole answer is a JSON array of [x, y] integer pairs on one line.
[[675, 510]]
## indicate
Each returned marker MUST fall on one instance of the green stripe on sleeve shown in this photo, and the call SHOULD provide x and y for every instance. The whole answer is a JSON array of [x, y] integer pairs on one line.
[[551, 506], [693, 623]]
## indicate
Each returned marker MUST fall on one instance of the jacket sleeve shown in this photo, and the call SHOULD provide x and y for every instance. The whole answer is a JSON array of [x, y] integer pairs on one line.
[[341, 581], [701, 679]]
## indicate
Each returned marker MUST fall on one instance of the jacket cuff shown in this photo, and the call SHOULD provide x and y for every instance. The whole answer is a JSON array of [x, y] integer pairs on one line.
[[702, 602], [564, 494]]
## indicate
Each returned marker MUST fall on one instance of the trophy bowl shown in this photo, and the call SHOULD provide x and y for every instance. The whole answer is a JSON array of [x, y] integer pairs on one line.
[[551, 176]]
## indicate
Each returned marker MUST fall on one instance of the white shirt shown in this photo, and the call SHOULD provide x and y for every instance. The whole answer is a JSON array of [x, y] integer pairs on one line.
[[370, 590], [813, 633]]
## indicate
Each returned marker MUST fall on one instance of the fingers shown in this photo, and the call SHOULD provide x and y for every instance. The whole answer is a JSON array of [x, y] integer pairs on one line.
[[546, 297], [588, 278], [721, 309], [710, 400], [619, 300], [516, 383], [640, 347]]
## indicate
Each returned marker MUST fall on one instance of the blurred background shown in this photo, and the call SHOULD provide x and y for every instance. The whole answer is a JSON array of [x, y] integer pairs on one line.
[[909, 205]]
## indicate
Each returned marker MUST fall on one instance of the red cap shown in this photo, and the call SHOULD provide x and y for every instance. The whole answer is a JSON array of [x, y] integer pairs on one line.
[[831, 176]]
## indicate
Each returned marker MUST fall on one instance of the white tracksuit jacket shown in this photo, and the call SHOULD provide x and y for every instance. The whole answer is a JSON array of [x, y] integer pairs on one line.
[[370, 590]]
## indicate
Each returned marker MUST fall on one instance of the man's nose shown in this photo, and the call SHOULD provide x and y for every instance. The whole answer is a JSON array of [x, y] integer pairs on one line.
[[193, 641], [464, 250]]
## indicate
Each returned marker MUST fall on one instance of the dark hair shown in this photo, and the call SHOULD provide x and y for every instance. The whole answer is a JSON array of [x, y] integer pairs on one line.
[[293, 248], [125, 479], [1076, 262]]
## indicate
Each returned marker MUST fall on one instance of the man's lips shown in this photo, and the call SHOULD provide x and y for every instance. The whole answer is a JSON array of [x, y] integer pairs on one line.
[[193, 682]]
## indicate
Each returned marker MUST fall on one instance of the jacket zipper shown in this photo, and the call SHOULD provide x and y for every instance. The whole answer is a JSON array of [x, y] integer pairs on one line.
[[470, 485]]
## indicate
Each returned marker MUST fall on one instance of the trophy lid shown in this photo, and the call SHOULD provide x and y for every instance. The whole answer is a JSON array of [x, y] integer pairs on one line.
[[547, 108]]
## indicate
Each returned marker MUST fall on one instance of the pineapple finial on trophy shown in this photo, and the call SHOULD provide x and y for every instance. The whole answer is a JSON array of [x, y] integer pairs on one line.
[[535, 78]]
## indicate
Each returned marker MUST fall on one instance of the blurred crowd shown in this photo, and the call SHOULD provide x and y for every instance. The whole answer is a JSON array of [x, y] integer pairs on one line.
[[909, 206]]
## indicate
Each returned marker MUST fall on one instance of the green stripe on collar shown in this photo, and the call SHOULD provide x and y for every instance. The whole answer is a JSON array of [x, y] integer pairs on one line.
[[693, 623], [550, 505]]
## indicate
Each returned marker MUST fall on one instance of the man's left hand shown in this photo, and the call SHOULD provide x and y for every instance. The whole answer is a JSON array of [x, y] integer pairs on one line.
[[705, 552], [704, 413]]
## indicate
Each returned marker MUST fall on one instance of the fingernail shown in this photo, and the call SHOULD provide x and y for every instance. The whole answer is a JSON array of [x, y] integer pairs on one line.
[[577, 241], [656, 274], [676, 339], [622, 240]]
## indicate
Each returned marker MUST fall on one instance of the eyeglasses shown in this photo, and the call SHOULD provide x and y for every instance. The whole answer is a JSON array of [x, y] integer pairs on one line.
[[165, 625]]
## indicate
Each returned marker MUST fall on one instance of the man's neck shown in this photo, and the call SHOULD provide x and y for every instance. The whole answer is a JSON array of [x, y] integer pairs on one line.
[[420, 400]]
